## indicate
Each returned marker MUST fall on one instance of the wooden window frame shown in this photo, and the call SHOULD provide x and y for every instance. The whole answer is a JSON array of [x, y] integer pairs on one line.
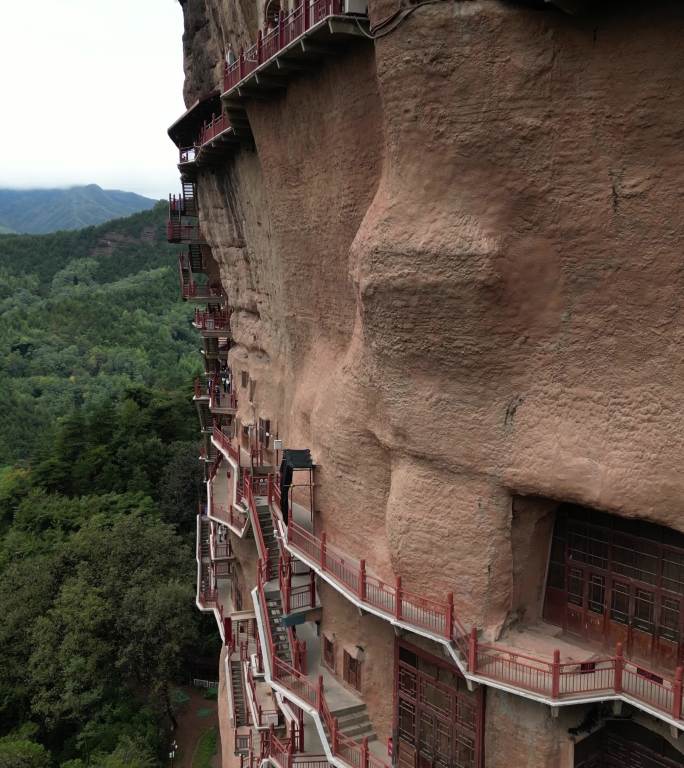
[[351, 671], [329, 653]]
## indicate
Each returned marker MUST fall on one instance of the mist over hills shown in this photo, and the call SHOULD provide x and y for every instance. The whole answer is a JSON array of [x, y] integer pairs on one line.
[[39, 211]]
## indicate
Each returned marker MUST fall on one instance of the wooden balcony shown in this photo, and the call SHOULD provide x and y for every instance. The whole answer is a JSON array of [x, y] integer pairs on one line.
[[311, 32], [212, 322]]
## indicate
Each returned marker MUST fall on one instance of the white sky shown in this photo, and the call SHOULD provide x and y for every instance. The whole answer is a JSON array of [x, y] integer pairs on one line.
[[87, 91]]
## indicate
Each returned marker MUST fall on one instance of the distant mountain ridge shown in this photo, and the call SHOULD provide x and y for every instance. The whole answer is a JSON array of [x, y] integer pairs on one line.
[[39, 211]]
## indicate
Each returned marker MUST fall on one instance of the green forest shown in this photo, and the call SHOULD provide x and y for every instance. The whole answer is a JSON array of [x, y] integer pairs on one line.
[[99, 482]]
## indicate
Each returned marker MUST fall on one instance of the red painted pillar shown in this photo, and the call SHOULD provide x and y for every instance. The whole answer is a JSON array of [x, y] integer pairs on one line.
[[281, 30], [319, 695], [335, 729], [555, 675], [362, 581], [619, 666], [300, 724], [228, 630], [397, 598], [364, 752], [449, 618], [677, 694], [306, 12], [323, 537], [312, 588], [472, 651]]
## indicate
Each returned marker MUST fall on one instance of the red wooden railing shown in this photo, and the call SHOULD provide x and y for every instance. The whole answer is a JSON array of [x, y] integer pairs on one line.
[[225, 443], [295, 598], [220, 399], [209, 320], [210, 130], [192, 290], [180, 205], [262, 714], [298, 684], [547, 677], [258, 533], [288, 28], [176, 232]]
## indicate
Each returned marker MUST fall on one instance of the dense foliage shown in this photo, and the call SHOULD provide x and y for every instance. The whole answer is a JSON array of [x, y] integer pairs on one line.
[[99, 482], [84, 315]]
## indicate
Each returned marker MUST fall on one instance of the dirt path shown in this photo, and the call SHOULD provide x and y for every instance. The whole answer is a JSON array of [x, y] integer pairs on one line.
[[196, 717]]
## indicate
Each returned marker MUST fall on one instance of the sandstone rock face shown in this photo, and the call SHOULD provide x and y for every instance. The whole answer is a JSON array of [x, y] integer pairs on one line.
[[454, 260]]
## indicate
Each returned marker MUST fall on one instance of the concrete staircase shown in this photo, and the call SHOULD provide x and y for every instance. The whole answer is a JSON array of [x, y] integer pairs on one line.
[[272, 545], [354, 722], [278, 631], [195, 257], [205, 533], [239, 702]]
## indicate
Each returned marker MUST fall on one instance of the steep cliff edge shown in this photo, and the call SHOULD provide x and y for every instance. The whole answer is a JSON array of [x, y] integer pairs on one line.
[[453, 256]]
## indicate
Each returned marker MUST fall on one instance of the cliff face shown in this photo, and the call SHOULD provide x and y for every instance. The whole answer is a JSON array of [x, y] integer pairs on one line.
[[454, 262]]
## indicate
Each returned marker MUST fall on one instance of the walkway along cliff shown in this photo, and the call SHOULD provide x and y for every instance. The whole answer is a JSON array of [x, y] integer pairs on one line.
[[434, 250]]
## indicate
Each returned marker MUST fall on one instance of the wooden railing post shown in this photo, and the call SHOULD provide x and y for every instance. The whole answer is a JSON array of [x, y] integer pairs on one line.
[[677, 694], [319, 693], [397, 598], [323, 539], [241, 64], [281, 30], [619, 666], [362, 581], [305, 4], [260, 47], [335, 732], [287, 595], [312, 588], [364, 752], [449, 617], [555, 675], [472, 651]]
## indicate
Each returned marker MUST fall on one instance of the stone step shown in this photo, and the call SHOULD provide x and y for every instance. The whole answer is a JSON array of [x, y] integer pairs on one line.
[[354, 709], [351, 721], [359, 731]]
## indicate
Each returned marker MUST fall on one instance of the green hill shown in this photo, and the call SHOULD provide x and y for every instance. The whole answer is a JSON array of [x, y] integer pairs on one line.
[[86, 314], [39, 211], [99, 487]]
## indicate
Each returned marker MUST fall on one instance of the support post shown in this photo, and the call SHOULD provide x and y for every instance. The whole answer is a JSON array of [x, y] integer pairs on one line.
[[281, 30], [241, 64], [619, 666], [335, 731], [312, 588], [300, 725], [364, 752], [260, 47], [555, 674], [677, 694], [449, 619], [319, 693], [305, 3], [397, 598], [362, 581], [472, 651], [323, 546]]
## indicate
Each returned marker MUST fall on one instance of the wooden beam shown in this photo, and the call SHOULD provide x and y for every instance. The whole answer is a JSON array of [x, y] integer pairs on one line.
[[315, 48], [298, 65], [344, 27], [270, 82]]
